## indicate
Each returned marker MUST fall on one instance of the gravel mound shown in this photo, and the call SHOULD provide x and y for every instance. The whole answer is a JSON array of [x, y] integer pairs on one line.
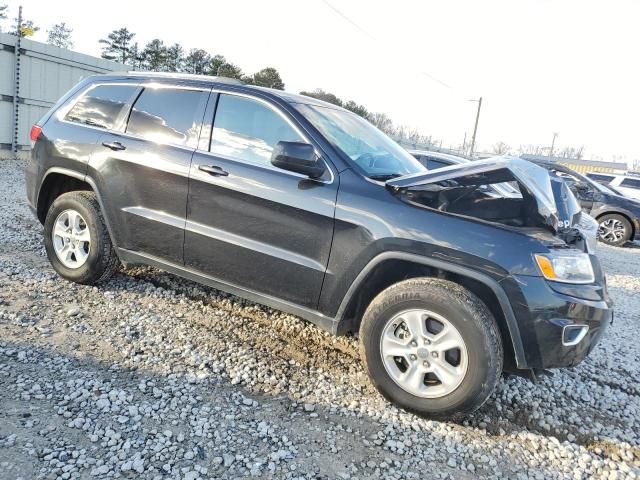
[[154, 377]]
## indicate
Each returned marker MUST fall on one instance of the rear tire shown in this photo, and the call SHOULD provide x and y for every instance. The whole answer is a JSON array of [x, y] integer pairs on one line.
[[471, 369], [614, 229], [77, 241]]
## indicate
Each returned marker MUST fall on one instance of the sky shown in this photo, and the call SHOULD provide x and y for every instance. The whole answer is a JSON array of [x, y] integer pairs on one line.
[[541, 66]]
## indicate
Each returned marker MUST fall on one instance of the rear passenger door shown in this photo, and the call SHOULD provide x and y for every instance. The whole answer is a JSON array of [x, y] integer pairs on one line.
[[142, 169], [250, 224]]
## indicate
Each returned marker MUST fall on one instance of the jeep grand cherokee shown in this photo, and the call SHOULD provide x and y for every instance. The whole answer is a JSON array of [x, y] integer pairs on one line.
[[303, 206]]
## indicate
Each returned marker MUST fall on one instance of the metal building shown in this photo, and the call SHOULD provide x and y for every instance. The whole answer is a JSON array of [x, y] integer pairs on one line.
[[33, 75]]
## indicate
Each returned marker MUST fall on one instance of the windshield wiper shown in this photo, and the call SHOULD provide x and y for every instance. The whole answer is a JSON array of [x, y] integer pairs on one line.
[[384, 176]]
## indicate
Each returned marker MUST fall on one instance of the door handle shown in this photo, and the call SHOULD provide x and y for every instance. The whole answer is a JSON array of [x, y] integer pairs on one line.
[[114, 145], [213, 170]]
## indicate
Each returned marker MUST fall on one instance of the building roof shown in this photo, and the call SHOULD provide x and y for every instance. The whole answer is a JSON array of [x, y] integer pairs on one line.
[[576, 161]]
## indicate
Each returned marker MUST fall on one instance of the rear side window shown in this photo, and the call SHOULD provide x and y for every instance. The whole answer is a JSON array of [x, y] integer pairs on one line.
[[631, 183], [101, 106], [432, 163], [599, 178], [248, 130], [168, 115]]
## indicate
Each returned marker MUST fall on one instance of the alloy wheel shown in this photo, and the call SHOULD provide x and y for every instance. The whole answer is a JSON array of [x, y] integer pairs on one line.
[[424, 353], [71, 239], [611, 230]]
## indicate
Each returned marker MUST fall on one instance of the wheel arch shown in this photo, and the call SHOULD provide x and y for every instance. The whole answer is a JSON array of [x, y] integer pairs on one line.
[[391, 267], [57, 181]]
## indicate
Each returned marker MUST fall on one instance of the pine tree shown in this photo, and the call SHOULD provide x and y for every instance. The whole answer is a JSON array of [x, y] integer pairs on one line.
[[60, 36], [3, 12], [117, 45], [267, 77], [175, 58], [155, 56], [197, 61], [220, 67]]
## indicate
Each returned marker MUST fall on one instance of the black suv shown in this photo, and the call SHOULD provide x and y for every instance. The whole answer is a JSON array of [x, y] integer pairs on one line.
[[305, 207]]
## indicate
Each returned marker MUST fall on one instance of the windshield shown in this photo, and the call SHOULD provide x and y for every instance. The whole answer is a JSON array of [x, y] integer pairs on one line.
[[378, 156]]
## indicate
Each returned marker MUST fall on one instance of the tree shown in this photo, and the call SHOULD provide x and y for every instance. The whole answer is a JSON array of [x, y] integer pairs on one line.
[[154, 56], [175, 58], [220, 67], [3, 12], [197, 61], [267, 77], [324, 96], [117, 45], [26, 29], [501, 148], [382, 122], [357, 109], [60, 35], [135, 57]]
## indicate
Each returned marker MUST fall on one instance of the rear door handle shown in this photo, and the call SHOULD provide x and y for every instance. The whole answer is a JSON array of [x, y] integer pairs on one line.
[[114, 145], [213, 170]]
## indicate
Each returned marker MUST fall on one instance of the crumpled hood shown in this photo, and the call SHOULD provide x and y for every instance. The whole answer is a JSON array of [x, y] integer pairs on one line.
[[530, 177]]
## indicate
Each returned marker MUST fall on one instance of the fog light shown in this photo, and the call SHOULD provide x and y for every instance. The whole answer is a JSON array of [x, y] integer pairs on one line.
[[573, 334]]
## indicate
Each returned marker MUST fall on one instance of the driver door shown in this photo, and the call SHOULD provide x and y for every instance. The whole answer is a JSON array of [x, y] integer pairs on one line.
[[250, 224]]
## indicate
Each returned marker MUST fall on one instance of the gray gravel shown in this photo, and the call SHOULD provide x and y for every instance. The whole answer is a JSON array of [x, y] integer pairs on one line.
[[152, 376]]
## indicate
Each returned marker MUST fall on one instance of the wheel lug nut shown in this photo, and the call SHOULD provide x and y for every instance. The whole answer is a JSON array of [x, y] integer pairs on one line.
[[414, 344], [426, 364], [413, 357], [427, 341], [434, 354]]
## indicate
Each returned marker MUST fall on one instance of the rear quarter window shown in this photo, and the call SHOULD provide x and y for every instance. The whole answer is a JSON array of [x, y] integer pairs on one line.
[[101, 106], [631, 183]]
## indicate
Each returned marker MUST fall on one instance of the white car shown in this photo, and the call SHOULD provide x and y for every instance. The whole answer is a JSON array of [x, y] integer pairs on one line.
[[627, 185]]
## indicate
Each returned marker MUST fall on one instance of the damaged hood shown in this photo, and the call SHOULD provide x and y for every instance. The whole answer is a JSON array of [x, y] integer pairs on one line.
[[533, 181]]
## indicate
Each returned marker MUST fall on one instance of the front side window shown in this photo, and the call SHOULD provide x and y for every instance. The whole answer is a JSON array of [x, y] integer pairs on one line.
[[168, 115], [245, 129], [101, 105], [599, 178], [631, 183], [377, 156], [432, 163]]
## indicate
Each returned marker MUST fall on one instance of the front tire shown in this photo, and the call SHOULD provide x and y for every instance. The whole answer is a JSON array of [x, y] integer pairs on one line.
[[614, 229], [77, 241], [432, 347]]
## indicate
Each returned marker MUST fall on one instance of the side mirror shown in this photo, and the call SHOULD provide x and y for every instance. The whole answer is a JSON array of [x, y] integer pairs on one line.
[[297, 157]]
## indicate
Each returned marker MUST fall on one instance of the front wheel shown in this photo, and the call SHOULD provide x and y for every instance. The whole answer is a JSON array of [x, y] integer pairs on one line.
[[432, 347], [614, 229]]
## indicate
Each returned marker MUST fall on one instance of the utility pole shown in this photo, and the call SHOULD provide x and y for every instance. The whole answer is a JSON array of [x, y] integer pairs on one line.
[[16, 86], [475, 127], [553, 143]]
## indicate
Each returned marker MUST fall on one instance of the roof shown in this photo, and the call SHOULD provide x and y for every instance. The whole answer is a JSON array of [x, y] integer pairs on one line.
[[439, 155], [235, 83], [574, 161]]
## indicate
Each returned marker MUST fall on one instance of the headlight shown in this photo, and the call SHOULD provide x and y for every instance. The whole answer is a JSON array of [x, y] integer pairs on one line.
[[569, 266]]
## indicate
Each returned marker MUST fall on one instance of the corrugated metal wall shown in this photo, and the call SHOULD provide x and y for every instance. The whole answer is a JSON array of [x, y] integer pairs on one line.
[[46, 73]]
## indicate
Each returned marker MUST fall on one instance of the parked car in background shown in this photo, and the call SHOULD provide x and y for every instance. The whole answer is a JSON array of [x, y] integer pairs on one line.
[[306, 207], [618, 216], [625, 185]]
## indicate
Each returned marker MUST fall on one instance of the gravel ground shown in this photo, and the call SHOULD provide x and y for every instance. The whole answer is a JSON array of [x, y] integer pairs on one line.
[[152, 376]]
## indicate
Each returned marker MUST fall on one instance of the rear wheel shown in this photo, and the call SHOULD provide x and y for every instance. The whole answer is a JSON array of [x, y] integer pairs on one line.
[[614, 229], [432, 347], [77, 241]]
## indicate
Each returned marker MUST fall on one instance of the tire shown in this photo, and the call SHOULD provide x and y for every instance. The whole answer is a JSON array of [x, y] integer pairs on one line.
[[447, 302], [614, 229], [100, 259]]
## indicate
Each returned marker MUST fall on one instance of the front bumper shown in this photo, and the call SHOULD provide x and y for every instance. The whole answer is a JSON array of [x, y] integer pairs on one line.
[[560, 324]]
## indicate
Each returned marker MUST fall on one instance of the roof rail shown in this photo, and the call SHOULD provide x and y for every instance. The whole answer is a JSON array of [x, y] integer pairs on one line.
[[186, 76]]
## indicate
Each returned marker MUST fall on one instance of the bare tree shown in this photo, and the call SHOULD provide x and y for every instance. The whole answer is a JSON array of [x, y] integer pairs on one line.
[[60, 35], [501, 148]]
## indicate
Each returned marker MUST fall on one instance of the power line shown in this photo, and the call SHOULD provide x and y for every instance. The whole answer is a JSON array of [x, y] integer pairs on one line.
[[367, 34]]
